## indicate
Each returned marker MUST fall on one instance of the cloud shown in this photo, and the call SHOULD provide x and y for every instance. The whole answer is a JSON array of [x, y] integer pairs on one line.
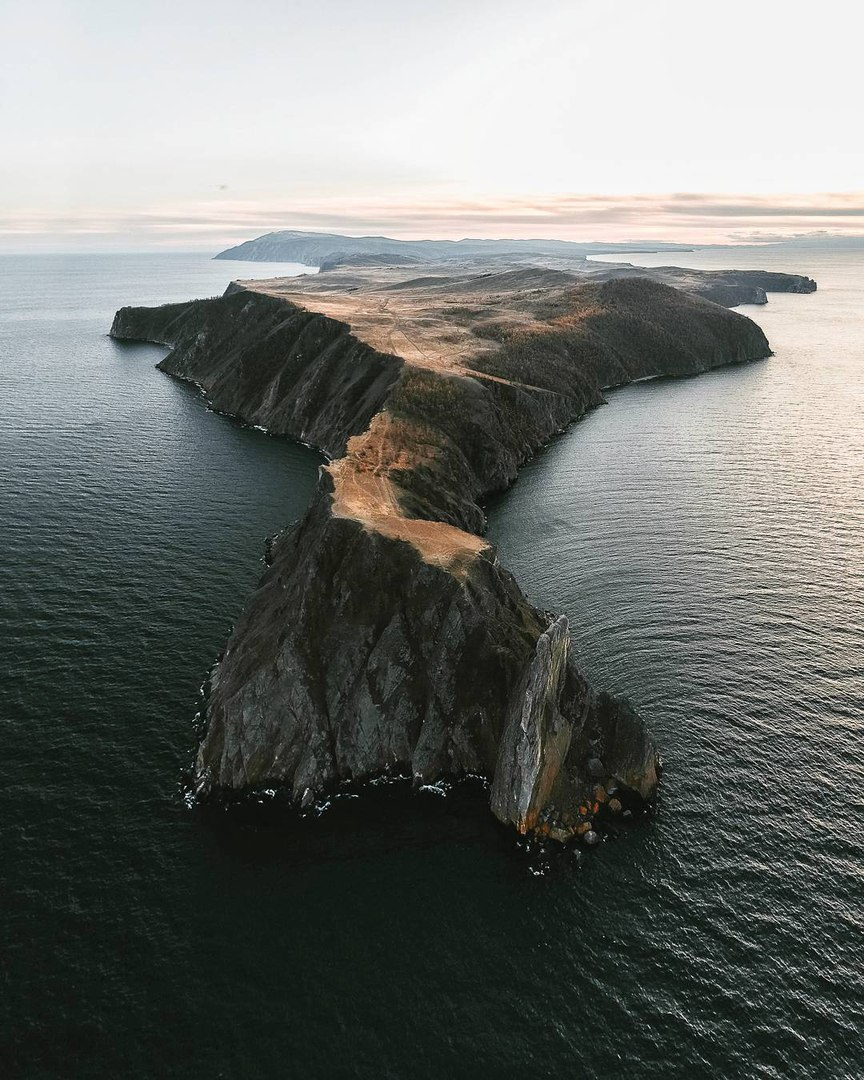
[[684, 217]]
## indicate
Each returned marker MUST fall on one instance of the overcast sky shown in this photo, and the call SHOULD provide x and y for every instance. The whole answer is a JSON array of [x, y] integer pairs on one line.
[[197, 124]]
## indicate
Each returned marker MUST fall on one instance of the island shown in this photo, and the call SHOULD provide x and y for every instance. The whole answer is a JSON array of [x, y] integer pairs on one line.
[[386, 638]]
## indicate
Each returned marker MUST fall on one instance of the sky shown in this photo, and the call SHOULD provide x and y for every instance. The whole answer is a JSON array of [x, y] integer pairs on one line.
[[195, 125]]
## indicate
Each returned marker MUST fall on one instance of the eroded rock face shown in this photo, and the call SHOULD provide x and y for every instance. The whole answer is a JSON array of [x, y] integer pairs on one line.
[[355, 657], [270, 363], [543, 719], [385, 636]]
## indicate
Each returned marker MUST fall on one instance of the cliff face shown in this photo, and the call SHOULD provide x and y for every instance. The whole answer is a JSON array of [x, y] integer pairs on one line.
[[385, 636], [271, 363]]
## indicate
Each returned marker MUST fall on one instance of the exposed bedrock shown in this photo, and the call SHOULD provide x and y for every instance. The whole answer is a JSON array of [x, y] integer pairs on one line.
[[385, 635], [356, 656]]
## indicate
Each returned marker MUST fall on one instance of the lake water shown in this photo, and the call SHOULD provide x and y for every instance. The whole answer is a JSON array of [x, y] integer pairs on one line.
[[704, 537]]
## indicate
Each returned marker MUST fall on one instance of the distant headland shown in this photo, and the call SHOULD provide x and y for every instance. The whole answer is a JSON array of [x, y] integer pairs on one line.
[[330, 251]]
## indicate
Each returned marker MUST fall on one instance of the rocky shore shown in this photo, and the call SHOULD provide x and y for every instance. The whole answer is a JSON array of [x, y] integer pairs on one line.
[[385, 637]]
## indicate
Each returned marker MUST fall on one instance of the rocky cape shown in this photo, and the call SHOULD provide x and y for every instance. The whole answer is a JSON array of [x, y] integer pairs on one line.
[[385, 636]]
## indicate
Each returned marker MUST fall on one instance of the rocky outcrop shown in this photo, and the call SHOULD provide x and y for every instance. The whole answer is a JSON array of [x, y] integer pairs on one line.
[[537, 735], [385, 636]]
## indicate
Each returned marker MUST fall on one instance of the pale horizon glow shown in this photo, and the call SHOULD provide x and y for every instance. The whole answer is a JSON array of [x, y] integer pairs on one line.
[[199, 125]]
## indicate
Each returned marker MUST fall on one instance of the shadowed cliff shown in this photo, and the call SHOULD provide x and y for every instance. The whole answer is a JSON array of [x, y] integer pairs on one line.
[[385, 636]]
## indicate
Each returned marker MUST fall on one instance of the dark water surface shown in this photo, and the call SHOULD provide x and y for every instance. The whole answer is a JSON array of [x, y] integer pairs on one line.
[[705, 538]]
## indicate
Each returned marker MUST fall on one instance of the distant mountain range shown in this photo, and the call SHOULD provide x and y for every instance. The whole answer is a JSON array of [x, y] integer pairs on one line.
[[328, 250]]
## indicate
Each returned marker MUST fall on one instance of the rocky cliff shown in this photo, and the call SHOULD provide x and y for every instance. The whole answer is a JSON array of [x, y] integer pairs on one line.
[[385, 635]]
